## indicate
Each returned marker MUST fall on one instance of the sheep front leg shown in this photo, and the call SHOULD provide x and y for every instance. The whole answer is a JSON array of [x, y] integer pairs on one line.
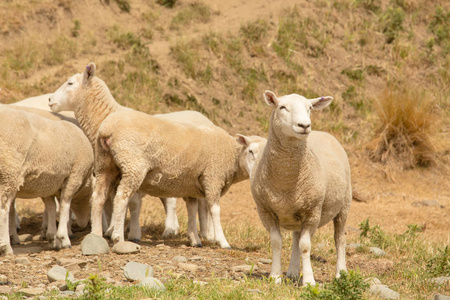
[[171, 224], [6, 198], [305, 248], [134, 206], [12, 224], [62, 235], [192, 207], [50, 213], [339, 241], [294, 265]]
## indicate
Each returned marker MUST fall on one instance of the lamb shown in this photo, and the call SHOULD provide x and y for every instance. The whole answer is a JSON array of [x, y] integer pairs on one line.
[[171, 223], [300, 183], [138, 152], [36, 163]]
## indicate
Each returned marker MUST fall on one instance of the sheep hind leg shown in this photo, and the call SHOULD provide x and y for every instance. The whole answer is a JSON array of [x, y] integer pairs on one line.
[[206, 225], [134, 206], [13, 225], [339, 241], [192, 232], [294, 265], [6, 198], [171, 224], [50, 213], [102, 189]]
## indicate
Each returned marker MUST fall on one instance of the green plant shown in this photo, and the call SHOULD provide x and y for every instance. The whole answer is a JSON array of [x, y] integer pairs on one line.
[[123, 5], [393, 23], [354, 74], [440, 25], [194, 12], [372, 5], [124, 40], [166, 3], [75, 31], [439, 264], [95, 287]]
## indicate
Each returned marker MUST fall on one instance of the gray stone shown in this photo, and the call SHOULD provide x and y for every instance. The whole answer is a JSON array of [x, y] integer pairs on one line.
[[245, 268], [152, 283], [384, 292], [3, 279], [353, 246], [426, 203], [26, 237], [67, 293], [188, 267], [93, 244], [126, 247], [4, 289], [377, 251], [136, 271], [22, 261], [265, 260], [59, 273], [195, 258], [440, 297], [372, 281], [441, 280], [179, 259], [32, 292]]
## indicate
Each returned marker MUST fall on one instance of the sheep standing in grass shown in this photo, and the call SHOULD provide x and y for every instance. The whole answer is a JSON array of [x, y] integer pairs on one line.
[[301, 182], [138, 152], [40, 158]]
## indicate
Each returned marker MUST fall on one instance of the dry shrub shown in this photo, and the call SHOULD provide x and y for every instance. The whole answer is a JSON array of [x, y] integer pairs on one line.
[[404, 134]]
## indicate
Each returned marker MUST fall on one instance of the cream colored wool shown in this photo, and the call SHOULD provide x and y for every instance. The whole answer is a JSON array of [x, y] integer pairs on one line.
[[40, 158], [143, 153]]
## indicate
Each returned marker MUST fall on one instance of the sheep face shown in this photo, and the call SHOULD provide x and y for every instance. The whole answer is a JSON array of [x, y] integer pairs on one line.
[[291, 115], [63, 98], [253, 149]]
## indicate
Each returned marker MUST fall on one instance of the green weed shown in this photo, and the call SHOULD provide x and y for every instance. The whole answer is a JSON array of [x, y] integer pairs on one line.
[[75, 31], [439, 264], [194, 12], [167, 3], [124, 40], [124, 5], [393, 23], [354, 74]]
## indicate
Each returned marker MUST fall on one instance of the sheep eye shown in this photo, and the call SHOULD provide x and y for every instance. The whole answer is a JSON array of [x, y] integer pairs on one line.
[[70, 83], [282, 107], [251, 152]]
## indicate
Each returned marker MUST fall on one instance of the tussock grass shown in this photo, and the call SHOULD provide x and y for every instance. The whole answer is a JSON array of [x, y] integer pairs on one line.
[[194, 13], [404, 134]]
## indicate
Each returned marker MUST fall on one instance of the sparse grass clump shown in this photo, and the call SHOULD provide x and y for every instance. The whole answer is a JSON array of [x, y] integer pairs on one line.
[[392, 20], [124, 40], [194, 12], [404, 130]]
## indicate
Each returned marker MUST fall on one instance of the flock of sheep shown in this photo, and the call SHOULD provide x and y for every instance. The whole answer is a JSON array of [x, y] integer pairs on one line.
[[98, 158]]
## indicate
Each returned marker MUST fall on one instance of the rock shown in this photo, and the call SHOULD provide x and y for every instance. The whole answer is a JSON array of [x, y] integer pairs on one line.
[[32, 292], [80, 287], [160, 246], [265, 260], [426, 203], [22, 261], [126, 248], [93, 244], [440, 297], [353, 246], [67, 293], [195, 258], [384, 292], [59, 273], [26, 237], [4, 289], [372, 281], [377, 251], [136, 271], [70, 261], [188, 267], [441, 280], [179, 259], [245, 268], [3, 279], [152, 283]]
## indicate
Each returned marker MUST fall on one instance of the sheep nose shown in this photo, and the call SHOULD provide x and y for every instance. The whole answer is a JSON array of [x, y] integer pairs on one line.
[[304, 126], [49, 99]]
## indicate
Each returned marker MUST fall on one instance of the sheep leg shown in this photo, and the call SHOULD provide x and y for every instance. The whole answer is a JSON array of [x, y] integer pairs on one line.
[[294, 265], [218, 231], [171, 224], [107, 214], [102, 189], [192, 208], [7, 196], [50, 213], [12, 224], [62, 236], [339, 241], [134, 206], [206, 225], [305, 248]]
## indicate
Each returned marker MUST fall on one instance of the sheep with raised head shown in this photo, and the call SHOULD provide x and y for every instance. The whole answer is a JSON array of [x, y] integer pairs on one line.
[[139, 152], [40, 158], [301, 182]]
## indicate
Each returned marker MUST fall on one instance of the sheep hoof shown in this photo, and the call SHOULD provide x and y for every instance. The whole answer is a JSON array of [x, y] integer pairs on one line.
[[5, 250], [198, 246]]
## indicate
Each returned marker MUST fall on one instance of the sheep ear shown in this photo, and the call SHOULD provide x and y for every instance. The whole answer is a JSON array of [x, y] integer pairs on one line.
[[89, 73], [321, 102], [242, 139], [271, 98]]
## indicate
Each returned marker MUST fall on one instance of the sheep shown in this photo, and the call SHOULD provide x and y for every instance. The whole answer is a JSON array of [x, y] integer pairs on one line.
[[300, 182], [171, 223], [40, 158], [139, 152]]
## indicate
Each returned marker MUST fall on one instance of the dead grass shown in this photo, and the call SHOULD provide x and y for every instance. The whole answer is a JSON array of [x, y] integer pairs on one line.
[[405, 130]]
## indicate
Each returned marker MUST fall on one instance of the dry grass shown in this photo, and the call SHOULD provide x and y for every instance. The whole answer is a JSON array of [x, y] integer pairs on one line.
[[405, 130]]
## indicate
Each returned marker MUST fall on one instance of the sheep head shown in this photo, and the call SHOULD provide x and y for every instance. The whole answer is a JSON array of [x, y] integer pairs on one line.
[[64, 97], [291, 114], [253, 147]]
